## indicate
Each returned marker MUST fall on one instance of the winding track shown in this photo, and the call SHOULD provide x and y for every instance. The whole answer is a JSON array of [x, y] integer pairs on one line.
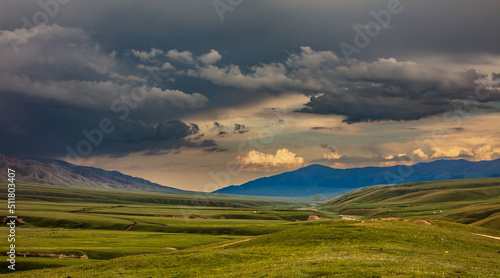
[[493, 237], [231, 243]]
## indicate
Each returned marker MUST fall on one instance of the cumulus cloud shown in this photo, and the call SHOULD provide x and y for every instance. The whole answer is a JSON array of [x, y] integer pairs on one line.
[[164, 98], [167, 66], [392, 156], [282, 160], [145, 55], [338, 158], [381, 90], [99, 94], [271, 77], [332, 154], [182, 57], [474, 153], [311, 59], [210, 58], [65, 65], [54, 52], [346, 161], [388, 89], [420, 154]]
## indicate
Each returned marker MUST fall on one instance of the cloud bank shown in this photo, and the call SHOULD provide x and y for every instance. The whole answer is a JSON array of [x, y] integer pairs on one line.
[[381, 90], [62, 82]]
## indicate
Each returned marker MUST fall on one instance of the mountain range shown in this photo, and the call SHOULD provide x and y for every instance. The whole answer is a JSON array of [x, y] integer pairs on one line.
[[319, 179], [304, 182], [58, 172]]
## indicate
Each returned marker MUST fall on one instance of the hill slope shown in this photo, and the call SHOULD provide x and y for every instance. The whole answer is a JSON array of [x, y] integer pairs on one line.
[[325, 249], [57, 172], [475, 201], [318, 179]]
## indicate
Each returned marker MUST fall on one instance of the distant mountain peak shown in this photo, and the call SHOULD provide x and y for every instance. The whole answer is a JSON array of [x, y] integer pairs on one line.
[[319, 179], [58, 172], [316, 166]]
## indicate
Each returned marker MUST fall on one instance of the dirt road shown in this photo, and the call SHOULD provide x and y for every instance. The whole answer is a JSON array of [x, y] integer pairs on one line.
[[493, 237], [349, 217], [231, 243]]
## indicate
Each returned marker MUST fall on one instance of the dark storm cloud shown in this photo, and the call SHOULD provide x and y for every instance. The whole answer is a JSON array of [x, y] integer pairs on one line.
[[391, 90], [208, 143], [62, 84], [325, 128], [92, 54], [137, 131], [62, 129], [215, 149], [67, 66], [458, 129], [44, 128], [385, 89], [421, 27], [136, 136], [222, 130], [240, 129], [329, 148]]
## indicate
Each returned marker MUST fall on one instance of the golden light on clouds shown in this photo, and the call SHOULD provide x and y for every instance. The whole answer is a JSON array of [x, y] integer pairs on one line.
[[389, 157], [473, 153], [332, 155], [420, 154], [476, 153], [258, 161]]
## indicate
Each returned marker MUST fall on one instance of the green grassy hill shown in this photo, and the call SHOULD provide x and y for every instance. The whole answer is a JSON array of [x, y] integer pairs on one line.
[[63, 194], [101, 224], [318, 249], [81, 232], [475, 201]]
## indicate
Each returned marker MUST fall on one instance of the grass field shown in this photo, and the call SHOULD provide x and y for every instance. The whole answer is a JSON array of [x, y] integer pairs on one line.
[[42, 247], [105, 224], [320, 249], [76, 232], [475, 202]]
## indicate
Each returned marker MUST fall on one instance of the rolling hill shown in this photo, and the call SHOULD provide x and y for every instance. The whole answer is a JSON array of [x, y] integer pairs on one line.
[[318, 179], [57, 172], [475, 202], [153, 234], [321, 249]]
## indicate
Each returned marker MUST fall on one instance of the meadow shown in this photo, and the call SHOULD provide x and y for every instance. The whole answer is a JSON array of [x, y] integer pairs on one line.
[[81, 232], [475, 202], [317, 249], [100, 224]]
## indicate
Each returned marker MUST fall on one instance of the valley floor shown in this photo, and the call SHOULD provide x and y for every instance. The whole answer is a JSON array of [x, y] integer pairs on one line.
[[325, 248], [63, 234]]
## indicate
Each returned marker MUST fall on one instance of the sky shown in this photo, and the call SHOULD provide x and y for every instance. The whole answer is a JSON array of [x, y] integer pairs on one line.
[[204, 94]]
